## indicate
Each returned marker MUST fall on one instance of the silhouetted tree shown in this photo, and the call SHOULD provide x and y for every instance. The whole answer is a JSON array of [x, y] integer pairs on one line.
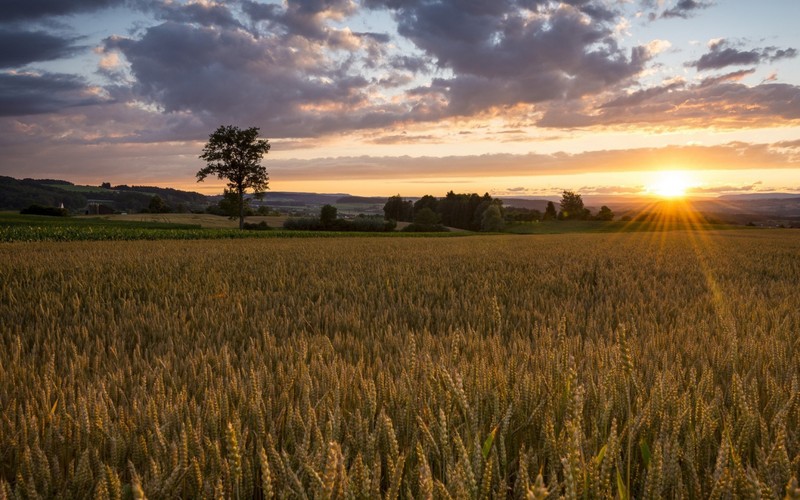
[[398, 209], [157, 205], [572, 206], [327, 216], [550, 211], [235, 155], [605, 213], [426, 201]]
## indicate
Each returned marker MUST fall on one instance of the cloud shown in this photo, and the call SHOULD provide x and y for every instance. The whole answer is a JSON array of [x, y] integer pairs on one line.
[[685, 9], [723, 104], [295, 70], [640, 96], [20, 47], [731, 156], [35, 93], [16, 10], [722, 54], [229, 74], [715, 189], [141, 163], [197, 12], [501, 54], [727, 77], [303, 18]]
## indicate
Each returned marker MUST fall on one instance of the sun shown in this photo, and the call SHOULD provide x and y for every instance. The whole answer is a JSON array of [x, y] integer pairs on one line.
[[670, 184]]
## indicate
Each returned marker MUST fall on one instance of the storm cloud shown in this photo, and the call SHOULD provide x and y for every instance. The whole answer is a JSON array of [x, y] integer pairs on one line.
[[33, 93], [20, 47], [16, 10]]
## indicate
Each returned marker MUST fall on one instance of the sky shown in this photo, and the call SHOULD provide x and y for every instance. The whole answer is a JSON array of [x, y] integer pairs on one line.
[[410, 97]]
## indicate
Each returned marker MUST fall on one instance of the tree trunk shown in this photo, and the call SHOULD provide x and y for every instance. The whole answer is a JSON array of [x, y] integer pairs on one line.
[[241, 208]]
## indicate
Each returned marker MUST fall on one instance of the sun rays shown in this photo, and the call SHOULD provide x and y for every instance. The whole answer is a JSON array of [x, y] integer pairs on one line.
[[671, 184]]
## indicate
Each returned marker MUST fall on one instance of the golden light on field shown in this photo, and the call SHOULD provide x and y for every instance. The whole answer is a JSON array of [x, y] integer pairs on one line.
[[670, 184]]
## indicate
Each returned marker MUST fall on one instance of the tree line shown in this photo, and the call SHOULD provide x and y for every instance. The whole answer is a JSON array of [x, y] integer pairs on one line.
[[464, 211], [483, 213]]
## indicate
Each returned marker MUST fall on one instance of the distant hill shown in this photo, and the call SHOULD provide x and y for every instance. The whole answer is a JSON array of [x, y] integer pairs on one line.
[[529, 203], [363, 200], [757, 196], [16, 194]]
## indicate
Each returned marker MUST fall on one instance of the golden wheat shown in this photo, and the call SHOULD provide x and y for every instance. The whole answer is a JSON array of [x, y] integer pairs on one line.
[[661, 365]]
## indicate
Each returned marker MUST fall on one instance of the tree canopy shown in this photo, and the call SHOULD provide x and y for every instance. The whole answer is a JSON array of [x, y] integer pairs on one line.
[[398, 209], [572, 206], [235, 154]]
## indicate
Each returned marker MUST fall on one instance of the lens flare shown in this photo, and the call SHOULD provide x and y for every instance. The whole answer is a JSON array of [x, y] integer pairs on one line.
[[670, 184]]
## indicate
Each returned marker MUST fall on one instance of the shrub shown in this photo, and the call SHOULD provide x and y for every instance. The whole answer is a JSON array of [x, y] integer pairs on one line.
[[361, 223], [303, 224], [369, 224], [252, 226], [40, 210]]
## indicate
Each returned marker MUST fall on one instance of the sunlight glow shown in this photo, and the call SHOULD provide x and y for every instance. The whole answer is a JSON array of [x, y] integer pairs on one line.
[[670, 184]]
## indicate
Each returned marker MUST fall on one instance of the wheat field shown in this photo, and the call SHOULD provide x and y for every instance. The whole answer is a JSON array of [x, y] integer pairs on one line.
[[639, 365]]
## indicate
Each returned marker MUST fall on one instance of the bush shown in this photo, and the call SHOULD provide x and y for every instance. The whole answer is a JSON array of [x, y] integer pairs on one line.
[[425, 228], [369, 224], [361, 223], [252, 226], [303, 224], [40, 210]]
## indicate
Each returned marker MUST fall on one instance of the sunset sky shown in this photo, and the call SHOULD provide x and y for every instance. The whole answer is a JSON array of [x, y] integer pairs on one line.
[[378, 97]]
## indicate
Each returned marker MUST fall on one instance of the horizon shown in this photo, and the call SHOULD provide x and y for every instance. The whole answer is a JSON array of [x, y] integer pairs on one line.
[[648, 198], [647, 98]]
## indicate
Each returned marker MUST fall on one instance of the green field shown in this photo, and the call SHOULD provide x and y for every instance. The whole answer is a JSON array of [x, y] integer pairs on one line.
[[30, 228], [624, 365]]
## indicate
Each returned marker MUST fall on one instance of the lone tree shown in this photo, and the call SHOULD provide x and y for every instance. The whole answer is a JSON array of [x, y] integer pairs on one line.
[[235, 154]]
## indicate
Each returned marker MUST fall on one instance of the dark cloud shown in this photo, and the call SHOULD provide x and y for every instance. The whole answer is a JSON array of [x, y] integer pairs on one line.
[[17, 10], [501, 54], [304, 18], [29, 94], [775, 54], [685, 9], [21, 47], [230, 74], [722, 53]]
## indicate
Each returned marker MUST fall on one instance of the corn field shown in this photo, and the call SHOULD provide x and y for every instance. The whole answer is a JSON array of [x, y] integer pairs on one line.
[[639, 365]]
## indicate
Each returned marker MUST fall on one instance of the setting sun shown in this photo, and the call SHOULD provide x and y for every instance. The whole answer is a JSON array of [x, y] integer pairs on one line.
[[670, 184]]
